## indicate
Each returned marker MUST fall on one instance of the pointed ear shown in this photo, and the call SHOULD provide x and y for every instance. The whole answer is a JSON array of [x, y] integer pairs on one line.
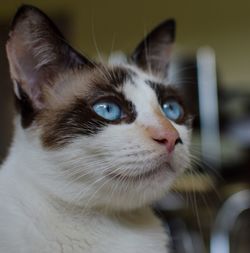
[[37, 52], [153, 53]]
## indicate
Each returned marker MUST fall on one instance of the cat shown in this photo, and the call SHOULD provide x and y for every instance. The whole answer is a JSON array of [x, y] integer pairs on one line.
[[94, 146]]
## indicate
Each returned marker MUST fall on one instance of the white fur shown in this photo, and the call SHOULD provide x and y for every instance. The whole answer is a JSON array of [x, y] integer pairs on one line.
[[62, 201]]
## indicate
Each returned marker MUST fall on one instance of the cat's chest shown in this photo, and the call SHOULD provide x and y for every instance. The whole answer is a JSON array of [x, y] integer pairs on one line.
[[46, 231], [101, 235], [115, 239]]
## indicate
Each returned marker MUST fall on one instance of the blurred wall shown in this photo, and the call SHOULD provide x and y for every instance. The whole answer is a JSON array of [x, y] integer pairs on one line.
[[115, 24]]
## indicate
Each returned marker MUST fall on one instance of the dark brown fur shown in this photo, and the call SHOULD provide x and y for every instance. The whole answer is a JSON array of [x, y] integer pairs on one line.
[[62, 122]]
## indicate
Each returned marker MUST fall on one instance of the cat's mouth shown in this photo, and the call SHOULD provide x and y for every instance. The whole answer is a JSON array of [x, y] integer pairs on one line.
[[150, 174]]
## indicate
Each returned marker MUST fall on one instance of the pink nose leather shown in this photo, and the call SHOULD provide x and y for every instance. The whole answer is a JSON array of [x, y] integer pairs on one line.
[[166, 135], [170, 140]]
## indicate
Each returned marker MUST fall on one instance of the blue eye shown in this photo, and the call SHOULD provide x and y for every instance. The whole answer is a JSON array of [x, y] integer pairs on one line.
[[173, 110], [108, 110]]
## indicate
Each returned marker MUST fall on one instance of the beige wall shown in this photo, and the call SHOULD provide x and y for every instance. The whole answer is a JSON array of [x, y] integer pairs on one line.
[[222, 24]]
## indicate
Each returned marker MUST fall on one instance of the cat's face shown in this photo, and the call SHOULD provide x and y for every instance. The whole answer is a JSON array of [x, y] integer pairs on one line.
[[115, 136]]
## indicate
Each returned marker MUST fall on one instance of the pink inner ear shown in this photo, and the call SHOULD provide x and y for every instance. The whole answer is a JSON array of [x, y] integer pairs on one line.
[[22, 68]]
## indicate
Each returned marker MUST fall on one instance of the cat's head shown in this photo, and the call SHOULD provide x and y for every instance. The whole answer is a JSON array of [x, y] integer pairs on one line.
[[112, 136]]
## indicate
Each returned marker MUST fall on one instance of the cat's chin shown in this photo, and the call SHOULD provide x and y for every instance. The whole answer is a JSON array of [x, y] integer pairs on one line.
[[156, 173], [129, 192]]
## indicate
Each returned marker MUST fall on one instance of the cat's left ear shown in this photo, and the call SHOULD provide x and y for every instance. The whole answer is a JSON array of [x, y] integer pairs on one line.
[[37, 53], [153, 53]]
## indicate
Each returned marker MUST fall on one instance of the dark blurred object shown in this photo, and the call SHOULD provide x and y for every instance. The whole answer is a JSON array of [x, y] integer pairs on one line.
[[6, 98], [235, 130], [230, 215]]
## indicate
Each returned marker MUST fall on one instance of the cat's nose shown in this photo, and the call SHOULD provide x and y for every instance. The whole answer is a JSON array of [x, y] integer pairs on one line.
[[169, 138]]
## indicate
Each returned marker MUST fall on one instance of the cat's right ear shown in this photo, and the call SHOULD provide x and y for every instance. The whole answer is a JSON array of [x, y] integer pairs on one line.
[[154, 51], [37, 52]]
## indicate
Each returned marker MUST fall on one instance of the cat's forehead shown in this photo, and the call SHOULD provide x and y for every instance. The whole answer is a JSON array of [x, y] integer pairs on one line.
[[117, 78], [101, 80]]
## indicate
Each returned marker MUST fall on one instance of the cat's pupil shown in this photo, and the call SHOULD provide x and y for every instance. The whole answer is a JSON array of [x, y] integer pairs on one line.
[[109, 109]]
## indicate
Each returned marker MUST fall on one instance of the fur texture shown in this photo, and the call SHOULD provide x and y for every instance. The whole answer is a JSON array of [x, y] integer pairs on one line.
[[73, 181]]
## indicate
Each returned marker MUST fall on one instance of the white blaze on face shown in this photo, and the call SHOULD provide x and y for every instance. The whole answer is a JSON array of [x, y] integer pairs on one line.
[[145, 101], [149, 112]]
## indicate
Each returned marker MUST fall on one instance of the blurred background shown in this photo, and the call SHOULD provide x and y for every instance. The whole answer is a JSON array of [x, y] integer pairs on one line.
[[209, 207]]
